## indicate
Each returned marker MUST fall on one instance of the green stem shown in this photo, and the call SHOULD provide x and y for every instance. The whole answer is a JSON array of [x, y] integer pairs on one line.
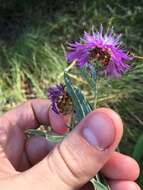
[[97, 177], [95, 94]]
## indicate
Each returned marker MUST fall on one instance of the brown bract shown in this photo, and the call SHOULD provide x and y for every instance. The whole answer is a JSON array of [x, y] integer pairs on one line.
[[100, 55]]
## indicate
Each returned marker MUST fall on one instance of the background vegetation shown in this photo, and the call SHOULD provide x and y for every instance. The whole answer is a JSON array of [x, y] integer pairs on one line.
[[33, 35]]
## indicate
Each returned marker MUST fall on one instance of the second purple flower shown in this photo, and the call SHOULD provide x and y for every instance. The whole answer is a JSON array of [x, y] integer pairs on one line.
[[60, 99]]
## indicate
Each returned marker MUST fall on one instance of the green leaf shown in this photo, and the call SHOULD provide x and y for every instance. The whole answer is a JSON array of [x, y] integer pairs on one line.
[[35, 132], [88, 73], [99, 186], [81, 105], [49, 136], [54, 138], [89, 76]]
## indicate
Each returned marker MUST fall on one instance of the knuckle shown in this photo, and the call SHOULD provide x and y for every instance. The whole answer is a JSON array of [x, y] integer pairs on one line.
[[66, 168]]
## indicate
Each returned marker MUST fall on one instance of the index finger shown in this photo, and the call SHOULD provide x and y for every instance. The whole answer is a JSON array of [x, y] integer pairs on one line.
[[32, 114], [28, 115], [13, 124]]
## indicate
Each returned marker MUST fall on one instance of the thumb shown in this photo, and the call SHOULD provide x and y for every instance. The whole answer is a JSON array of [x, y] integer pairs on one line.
[[80, 156]]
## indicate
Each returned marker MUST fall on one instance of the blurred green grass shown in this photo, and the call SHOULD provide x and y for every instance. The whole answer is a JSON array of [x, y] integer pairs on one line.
[[33, 35]]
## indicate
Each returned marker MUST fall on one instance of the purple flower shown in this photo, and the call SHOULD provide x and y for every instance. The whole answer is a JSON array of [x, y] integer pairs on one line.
[[60, 99], [104, 48], [54, 93]]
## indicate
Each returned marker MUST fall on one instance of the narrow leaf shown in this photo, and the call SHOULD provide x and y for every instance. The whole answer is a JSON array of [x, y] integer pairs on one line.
[[99, 186], [54, 138], [88, 73], [35, 132], [81, 105], [49, 136]]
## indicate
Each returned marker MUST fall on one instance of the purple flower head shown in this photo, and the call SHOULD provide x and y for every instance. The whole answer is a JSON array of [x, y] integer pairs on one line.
[[104, 48], [53, 94], [61, 101]]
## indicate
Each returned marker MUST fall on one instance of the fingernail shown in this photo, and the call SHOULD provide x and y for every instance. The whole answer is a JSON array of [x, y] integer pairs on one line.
[[99, 131]]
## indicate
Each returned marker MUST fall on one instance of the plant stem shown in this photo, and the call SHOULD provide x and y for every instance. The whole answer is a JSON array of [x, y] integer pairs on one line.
[[95, 94]]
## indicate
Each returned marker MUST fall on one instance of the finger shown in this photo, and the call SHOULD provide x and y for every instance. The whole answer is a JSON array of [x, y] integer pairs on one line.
[[58, 122], [121, 167], [127, 185], [28, 115], [117, 167], [37, 148], [13, 124], [24, 164], [82, 153]]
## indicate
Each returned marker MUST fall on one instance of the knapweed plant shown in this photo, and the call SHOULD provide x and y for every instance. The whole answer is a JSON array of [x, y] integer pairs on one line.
[[95, 55]]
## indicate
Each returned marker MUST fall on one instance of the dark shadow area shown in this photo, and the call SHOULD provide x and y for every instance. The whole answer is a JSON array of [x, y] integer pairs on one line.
[[18, 15], [11, 23]]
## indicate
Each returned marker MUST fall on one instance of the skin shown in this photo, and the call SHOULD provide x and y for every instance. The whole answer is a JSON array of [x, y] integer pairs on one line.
[[38, 164]]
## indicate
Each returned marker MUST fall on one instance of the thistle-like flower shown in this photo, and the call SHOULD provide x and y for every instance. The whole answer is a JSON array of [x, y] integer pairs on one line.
[[103, 48], [61, 101]]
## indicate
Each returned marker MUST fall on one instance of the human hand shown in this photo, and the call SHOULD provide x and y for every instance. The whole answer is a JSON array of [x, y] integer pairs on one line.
[[40, 165]]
